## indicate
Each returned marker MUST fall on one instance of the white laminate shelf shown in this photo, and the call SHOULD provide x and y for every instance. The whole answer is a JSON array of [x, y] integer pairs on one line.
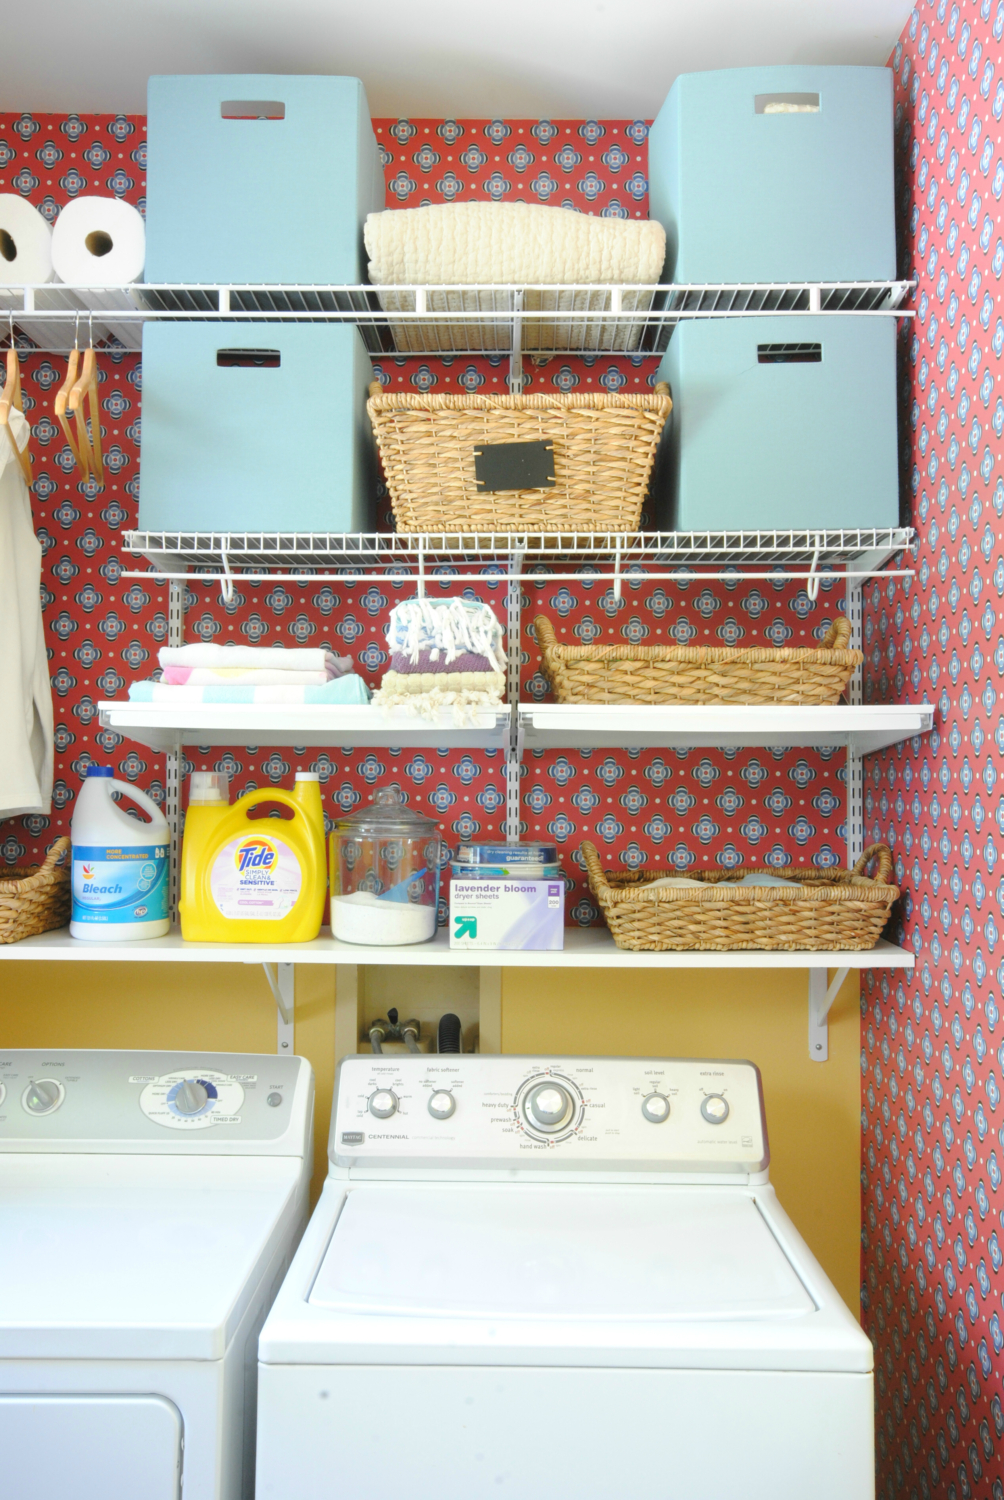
[[862, 728], [164, 727], [585, 948]]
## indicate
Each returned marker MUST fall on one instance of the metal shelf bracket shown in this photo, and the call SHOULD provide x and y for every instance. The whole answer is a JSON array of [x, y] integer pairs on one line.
[[821, 999], [281, 981]]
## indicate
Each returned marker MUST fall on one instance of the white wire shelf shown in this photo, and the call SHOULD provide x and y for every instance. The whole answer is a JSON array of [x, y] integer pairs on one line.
[[538, 321], [585, 948], [863, 728], [432, 557]]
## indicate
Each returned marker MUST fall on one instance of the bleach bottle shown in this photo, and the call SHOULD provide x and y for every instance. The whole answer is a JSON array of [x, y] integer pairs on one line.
[[120, 876], [247, 879]]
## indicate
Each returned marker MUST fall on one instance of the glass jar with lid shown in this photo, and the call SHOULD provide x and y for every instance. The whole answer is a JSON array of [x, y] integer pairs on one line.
[[384, 863]]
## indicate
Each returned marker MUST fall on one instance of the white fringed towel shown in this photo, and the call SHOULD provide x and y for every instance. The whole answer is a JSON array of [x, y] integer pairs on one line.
[[521, 244]]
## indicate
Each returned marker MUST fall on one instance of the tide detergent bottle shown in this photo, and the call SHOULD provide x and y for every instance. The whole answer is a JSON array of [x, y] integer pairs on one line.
[[251, 879], [121, 866]]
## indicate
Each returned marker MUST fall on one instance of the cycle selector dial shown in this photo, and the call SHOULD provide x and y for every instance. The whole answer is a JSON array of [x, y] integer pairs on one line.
[[441, 1104], [191, 1097], [548, 1107], [383, 1104], [43, 1097], [655, 1108]]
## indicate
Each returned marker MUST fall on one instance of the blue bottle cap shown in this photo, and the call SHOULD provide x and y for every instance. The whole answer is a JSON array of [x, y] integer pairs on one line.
[[99, 771]]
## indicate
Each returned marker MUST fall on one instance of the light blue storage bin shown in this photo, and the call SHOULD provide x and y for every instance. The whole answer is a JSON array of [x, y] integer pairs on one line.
[[259, 200], [786, 423], [284, 444], [750, 195]]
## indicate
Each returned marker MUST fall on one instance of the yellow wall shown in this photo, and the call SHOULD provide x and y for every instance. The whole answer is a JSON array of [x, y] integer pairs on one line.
[[813, 1109]]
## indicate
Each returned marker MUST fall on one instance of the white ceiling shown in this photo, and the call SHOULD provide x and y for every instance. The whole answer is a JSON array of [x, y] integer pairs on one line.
[[571, 59]]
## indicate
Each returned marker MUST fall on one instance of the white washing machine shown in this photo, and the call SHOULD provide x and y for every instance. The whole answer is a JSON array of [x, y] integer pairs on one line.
[[150, 1204], [557, 1276]]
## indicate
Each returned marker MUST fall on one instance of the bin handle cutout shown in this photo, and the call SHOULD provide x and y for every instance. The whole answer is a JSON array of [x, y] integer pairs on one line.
[[786, 104], [248, 359], [252, 109], [789, 354]]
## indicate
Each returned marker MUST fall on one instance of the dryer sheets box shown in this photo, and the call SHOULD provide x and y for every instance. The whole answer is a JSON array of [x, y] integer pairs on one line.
[[507, 914]]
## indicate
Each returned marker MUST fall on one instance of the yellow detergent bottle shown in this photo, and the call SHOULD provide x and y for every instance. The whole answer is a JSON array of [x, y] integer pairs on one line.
[[252, 880]]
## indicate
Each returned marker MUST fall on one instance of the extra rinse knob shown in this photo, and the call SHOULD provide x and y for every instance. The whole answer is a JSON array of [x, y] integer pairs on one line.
[[715, 1109], [191, 1098], [43, 1096], [383, 1104], [548, 1107], [655, 1108]]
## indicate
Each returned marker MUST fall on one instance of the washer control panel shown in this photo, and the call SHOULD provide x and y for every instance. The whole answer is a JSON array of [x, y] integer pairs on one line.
[[124, 1101], [640, 1114]]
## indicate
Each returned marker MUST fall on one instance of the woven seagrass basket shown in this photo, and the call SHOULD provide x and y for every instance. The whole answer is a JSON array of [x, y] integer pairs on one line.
[[621, 673], [842, 909], [38, 898], [603, 447]]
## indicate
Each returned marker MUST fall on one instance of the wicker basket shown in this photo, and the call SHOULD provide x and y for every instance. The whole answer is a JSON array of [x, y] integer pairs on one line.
[[843, 909], [604, 448], [620, 673], [38, 898]]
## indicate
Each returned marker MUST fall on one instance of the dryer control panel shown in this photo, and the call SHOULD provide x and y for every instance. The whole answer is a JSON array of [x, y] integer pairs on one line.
[[668, 1115], [161, 1102]]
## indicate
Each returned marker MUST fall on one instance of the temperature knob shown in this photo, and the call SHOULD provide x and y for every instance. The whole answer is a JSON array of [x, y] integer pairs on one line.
[[383, 1104], [655, 1108], [442, 1104], [548, 1107], [715, 1109], [43, 1096], [191, 1097]]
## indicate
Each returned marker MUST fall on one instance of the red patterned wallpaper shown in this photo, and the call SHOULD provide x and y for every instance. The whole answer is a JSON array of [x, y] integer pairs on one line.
[[778, 808], [932, 1055]]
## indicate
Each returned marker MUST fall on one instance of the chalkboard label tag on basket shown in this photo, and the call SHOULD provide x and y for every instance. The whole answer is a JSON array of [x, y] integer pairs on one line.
[[514, 466]]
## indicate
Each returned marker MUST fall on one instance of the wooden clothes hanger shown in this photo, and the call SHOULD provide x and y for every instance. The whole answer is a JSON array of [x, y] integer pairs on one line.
[[88, 445], [10, 399], [63, 397]]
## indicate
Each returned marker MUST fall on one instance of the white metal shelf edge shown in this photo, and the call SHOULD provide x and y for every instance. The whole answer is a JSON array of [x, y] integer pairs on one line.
[[862, 727], [585, 947]]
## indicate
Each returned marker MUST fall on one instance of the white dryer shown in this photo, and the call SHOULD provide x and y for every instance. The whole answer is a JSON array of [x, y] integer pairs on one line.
[[150, 1204], [557, 1276]]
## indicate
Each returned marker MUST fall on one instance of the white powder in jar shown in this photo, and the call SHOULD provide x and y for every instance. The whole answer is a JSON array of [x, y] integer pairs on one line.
[[366, 918]]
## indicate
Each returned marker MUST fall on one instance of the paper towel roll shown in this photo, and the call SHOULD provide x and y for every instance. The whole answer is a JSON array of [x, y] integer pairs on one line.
[[99, 242], [25, 243]]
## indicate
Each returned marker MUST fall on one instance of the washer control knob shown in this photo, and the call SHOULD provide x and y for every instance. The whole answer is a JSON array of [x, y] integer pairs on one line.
[[655, 1108], [191, 1098], [441, 1104], [3, 1092], [548, 1106], [43, 1096], [383, 1104], [715, 1109]]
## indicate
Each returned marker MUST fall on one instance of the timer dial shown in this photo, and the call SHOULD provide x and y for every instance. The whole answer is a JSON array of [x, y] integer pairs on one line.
[[548, 1106]]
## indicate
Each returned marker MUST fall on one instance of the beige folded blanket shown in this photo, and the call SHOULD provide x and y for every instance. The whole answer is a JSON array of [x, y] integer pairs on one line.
[[521, 244]]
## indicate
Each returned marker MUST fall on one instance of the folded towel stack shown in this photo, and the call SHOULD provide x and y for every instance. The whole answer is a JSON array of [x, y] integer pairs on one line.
[[252, 674], [512, 244], [444, 654]]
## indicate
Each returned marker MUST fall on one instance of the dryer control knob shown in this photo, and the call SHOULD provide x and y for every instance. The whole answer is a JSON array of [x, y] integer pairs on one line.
[[715, 1109], [548, 1106], [655, 1108], [43, 1096], [192, 1096], [441, 1104], [383, 1104]]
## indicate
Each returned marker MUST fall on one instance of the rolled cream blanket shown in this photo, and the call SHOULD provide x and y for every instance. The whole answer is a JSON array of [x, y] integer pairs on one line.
[[521, 244]]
